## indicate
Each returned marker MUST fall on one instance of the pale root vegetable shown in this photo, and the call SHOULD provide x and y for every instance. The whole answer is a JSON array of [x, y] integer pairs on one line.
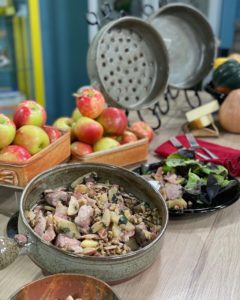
[[89, 244], [235, 56], [229, 113]]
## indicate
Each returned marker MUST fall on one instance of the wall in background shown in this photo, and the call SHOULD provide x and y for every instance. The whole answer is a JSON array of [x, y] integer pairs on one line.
[[227, 28], [65, 44], [238, 10]]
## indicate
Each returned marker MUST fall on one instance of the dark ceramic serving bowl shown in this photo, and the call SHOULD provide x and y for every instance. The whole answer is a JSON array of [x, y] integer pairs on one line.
[[53, 260]]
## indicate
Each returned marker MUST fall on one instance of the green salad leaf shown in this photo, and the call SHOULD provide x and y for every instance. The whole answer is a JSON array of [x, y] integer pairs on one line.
[[214, 169]]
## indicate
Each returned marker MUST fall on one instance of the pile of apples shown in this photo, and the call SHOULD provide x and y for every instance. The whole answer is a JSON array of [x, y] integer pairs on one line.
[[95, 127], [26, 134]]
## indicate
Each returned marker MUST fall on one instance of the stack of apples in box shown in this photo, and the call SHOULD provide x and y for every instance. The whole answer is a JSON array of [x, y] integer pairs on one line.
[[26, 134], [95, 127]]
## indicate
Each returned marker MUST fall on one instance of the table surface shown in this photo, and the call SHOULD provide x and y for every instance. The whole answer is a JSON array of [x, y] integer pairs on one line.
[[199, 258]]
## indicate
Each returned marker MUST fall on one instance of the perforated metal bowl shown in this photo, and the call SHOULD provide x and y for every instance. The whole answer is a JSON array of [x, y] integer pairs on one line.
[[128, 62], [190, 42]]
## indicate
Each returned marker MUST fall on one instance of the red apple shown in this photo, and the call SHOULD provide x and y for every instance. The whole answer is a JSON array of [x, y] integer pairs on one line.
[[88, 130], [113, 120], [79, 148], [142, 129], [105, 143], [7, 131], [52, 132], [32, 138], [29, 112], [65, 124], [127, 137], [90, 102], [13, 153]]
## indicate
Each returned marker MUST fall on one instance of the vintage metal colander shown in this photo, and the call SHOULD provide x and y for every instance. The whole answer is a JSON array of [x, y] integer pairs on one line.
[[190, 42], [128, 62]]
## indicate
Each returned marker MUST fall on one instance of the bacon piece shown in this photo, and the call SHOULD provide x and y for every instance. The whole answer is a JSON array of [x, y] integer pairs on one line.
[[171, 178], [67, 243], [54, 196], [61, 211], [41, 223], [83, 219], [49, 234], [173, 191]]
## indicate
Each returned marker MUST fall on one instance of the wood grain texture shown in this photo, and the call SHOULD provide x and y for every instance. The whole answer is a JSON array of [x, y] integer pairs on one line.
[[200, 255], [123, 155]]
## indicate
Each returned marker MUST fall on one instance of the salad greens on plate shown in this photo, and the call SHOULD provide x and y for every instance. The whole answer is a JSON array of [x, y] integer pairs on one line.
[[187, 183]]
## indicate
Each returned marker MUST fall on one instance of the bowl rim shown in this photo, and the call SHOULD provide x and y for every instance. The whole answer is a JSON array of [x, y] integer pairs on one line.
[[64, 275], [131, 254]]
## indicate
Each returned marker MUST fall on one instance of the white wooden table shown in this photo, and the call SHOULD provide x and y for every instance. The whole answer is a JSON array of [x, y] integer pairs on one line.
[[200, 256]]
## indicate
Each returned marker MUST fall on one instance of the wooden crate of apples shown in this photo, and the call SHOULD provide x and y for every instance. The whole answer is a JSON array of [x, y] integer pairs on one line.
[[28, 146], [101, 133]]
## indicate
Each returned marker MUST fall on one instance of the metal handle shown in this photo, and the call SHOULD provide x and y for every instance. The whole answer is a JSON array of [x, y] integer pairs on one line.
[[148, 9], [176, 143], [11, 248], [193, 143], [202, 155], [211, 154]]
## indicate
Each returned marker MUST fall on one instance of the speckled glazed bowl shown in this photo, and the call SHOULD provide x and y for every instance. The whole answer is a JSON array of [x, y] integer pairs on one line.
[[111, 269], [60, 286]]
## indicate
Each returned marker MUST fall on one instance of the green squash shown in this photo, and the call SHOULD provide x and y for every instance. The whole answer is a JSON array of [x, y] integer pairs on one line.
[[227, 76]]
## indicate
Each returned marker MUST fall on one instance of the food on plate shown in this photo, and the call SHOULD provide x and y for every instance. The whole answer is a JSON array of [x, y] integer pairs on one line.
[[94, 218], [187, 183]]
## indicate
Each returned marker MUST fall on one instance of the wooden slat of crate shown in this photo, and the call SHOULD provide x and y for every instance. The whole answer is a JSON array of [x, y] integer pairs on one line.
[[123, 155], [19, 174]]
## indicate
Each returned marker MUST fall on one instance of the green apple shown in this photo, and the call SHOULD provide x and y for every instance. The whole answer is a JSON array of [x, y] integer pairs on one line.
[[105, 143], [65, 124], [76, 114], [7, 131], [32, 138]]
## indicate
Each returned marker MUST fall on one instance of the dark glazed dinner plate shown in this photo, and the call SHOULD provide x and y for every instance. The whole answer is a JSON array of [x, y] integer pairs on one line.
[[225, 199]]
